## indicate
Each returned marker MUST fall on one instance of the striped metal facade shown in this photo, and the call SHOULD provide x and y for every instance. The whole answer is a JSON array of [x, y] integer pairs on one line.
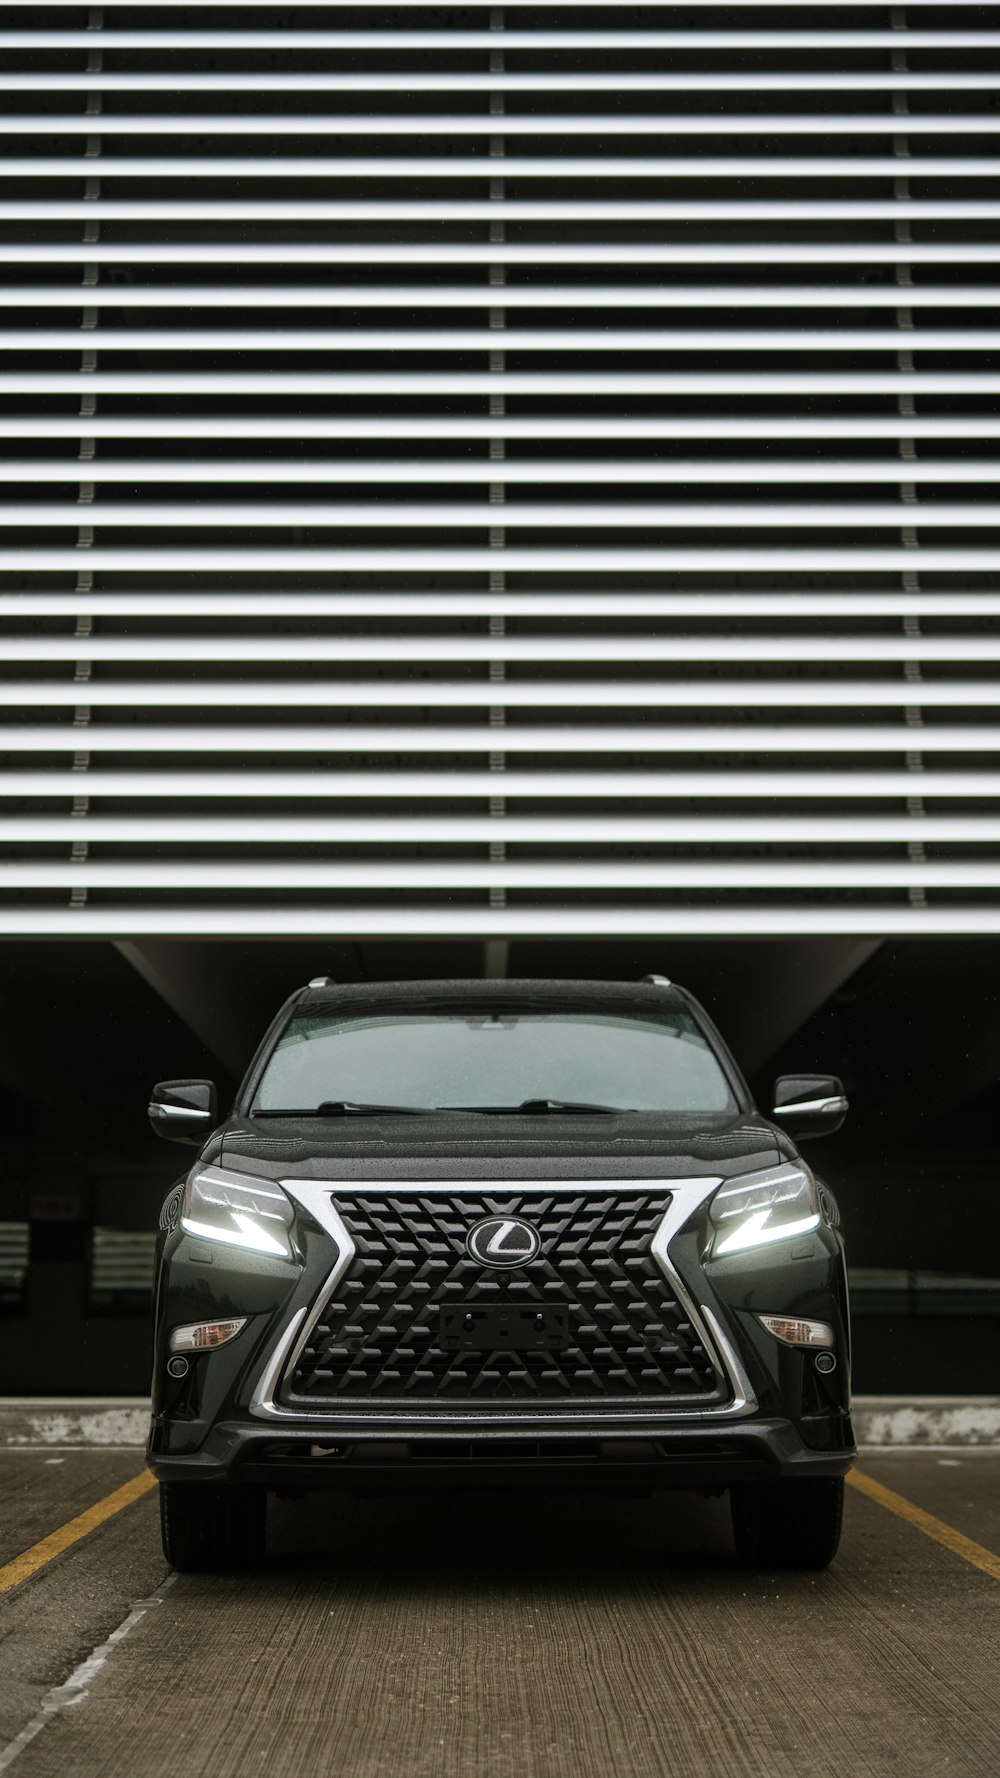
[[499, 471]]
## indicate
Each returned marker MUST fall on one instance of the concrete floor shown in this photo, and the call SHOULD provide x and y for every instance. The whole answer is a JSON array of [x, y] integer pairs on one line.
[[542, 1638]]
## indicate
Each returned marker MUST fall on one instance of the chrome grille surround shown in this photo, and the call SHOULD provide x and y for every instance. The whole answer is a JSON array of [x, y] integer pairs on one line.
[[377, 1334], [317, 1199]]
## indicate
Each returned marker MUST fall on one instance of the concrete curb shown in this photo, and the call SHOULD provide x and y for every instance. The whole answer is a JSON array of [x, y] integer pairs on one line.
[[880, 1421], [927, 1420], [71, 1420]]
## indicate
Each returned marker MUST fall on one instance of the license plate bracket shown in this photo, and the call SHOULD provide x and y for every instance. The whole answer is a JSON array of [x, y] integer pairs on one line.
[[488, 1327]]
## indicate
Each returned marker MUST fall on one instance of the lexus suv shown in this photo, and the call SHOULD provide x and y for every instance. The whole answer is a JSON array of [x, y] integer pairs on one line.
[[512, 1233]]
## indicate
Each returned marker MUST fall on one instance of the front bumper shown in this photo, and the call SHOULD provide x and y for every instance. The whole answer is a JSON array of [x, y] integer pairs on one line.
[[775, 1416], [579, 1454]]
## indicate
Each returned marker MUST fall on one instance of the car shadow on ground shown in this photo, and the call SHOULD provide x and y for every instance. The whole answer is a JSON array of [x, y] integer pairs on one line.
[[447, 1536]]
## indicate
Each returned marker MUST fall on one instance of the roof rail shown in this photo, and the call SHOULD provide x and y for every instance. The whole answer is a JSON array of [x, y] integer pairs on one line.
[[321, 981], [656, 981]]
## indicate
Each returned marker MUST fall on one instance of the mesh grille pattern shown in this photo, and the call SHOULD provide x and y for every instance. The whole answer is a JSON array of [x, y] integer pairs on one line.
[[628, 1337]]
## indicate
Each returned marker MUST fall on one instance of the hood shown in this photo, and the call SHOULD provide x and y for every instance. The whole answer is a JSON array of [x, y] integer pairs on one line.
[[545, 1147]]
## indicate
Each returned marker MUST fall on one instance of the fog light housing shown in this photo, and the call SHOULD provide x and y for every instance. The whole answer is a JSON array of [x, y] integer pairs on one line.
[[791, 1330], [204, 1336]]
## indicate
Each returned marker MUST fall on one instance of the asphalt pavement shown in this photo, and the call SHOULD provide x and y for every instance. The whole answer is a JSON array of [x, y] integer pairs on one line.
[[489, 1637]]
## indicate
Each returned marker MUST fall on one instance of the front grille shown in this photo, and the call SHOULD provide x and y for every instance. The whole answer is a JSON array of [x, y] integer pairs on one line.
[[377, 1335]]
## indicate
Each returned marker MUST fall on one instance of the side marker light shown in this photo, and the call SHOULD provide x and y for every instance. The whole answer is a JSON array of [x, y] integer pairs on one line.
[[204, 1336], [792, 1331]]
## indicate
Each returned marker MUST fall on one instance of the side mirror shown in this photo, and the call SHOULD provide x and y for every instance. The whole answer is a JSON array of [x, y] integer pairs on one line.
[[184, 1110], [809, 1104]]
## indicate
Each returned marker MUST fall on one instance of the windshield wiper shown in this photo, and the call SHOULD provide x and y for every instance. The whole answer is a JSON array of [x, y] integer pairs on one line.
[[344, 1108], [527, 1108], [540, 1107], [571, 1105]]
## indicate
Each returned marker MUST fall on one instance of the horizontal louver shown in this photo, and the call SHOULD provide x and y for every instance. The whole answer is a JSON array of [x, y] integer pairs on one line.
[[121, 1267], [499, 471], [14, 1249]]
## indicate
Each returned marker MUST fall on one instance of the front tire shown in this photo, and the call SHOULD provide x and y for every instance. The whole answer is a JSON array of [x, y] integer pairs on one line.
[[212, 1525], [793, 1523]]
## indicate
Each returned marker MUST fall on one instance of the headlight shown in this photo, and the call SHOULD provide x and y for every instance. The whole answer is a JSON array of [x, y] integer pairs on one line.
[[238, 1211], [764, 1207]]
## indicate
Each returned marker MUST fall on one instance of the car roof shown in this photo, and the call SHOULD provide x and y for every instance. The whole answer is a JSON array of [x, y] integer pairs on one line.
[[525, 993]]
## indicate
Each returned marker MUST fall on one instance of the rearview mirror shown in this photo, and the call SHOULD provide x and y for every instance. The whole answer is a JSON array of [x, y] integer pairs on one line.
[[184, 1110], [809, 1104]]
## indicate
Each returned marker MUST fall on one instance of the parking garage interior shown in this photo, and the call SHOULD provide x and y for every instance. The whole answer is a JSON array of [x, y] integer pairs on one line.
[[910, 1026]]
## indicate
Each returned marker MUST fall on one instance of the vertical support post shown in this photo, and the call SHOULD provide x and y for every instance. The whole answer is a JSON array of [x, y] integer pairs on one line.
[[906, 404], [496, 950], [86, 451]]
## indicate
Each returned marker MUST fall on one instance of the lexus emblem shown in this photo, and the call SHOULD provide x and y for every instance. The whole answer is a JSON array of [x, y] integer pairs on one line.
[[503, 1241]]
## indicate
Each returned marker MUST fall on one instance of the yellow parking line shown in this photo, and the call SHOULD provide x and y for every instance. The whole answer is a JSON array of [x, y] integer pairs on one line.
[[974, 1553], [30, 1561]]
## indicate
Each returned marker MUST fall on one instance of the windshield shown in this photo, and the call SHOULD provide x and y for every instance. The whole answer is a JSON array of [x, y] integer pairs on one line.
[[494, 1061]]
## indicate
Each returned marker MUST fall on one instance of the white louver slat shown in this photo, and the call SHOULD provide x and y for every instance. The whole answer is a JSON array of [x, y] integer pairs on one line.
[[448, 82], [234, 39], [515, 474], [54, 125]]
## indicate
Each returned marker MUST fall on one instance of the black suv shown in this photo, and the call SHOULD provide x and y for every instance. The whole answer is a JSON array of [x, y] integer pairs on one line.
[[504, 1232]]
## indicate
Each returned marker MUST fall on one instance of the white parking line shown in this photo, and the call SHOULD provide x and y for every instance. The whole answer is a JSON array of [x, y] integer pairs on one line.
[[75, 1688]]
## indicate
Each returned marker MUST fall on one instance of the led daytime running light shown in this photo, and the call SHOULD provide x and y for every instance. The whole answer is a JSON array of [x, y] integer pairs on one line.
[[757, 1231], [237, 1210], [758, 1209], [245, 1233]]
